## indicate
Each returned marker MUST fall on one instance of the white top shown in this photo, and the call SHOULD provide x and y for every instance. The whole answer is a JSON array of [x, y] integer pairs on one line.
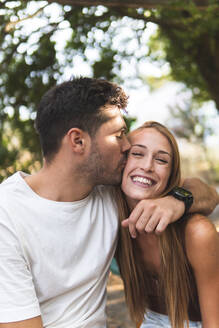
[[55, 256]]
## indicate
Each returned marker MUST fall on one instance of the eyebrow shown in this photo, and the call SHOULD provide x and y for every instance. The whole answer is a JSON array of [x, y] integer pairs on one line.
[[159, 151]]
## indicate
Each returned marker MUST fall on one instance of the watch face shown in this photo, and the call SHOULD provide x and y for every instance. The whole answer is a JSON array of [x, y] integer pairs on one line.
[[183, 195], [182, 192]]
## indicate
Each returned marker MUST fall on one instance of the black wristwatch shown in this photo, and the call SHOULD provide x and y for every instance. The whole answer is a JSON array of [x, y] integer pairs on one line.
[[183, 195]]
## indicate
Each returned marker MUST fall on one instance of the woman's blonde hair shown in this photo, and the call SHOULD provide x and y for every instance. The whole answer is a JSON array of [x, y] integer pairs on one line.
[[174, 277]]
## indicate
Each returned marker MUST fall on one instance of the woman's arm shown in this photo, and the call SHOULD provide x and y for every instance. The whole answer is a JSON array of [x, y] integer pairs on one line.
[[202, 246]]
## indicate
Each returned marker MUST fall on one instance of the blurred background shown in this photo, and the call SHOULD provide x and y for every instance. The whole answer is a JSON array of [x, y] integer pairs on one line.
[[165, 54]]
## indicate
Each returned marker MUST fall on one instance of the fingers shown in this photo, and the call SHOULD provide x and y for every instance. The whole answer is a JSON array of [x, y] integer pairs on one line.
[[144, 225], [159, 220], [161, 226], [156, 223], [152, 223], [133, 219], [125, 223], [144, 218], [139, 219], [149, 216], [163, 212]]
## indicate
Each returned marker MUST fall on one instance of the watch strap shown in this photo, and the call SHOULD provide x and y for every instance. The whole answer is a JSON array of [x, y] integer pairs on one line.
[[183, 195]]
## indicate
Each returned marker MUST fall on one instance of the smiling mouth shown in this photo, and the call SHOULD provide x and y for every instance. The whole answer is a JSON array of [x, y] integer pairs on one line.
[[142, 181]]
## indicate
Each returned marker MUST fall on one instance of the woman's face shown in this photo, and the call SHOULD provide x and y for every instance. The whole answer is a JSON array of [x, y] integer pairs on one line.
[[148, 166]]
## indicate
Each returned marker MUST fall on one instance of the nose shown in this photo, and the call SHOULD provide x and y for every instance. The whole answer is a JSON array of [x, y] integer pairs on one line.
[[126, 144], [147, 164]]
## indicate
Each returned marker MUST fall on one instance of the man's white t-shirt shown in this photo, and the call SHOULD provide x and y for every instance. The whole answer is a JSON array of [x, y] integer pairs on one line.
[[55, 256]]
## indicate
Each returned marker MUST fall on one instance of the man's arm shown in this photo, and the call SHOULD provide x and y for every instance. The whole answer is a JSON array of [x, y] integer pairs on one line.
[[29, 323], [18, 300], [205, 197], [153, 215]]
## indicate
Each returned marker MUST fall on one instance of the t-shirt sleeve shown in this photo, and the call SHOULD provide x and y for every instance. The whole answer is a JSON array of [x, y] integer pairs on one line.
[[18, 300]]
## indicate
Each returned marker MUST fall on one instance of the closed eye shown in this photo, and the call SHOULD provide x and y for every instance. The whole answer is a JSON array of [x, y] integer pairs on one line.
[[137, 154], [122, 134], [163, 161]]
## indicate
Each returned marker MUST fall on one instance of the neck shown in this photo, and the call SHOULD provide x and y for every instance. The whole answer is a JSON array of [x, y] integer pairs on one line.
[[59, 183], [131, 203]]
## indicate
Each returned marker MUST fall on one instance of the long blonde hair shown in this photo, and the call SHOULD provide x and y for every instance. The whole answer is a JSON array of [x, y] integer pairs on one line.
[[174, 275]]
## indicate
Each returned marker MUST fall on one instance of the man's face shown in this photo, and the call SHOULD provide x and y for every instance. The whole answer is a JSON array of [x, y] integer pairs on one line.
[[107, 156]]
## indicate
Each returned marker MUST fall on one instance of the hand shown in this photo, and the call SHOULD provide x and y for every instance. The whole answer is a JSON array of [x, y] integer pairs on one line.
[[153, 215]]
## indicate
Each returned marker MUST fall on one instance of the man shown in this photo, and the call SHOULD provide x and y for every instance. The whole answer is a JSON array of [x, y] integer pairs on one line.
[[58, 228]]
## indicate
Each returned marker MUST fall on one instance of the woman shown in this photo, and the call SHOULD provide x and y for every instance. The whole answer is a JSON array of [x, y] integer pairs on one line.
[[174, 276]]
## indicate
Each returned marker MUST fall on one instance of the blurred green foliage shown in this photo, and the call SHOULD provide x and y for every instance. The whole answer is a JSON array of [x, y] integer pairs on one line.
[[111, 40], [192, 123]]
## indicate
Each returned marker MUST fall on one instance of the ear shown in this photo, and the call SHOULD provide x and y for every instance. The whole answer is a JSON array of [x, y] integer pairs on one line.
[[78, 140]]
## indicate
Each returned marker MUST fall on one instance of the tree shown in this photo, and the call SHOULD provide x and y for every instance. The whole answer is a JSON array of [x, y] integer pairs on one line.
[[31, 61], [192, 124]]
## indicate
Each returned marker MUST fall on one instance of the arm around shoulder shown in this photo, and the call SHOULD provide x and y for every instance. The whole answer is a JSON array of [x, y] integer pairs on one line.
[[205, 197], [202, 247]]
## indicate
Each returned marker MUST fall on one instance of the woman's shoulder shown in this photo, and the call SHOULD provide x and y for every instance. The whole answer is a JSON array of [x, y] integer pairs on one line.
[[199, 226], [201, 238]]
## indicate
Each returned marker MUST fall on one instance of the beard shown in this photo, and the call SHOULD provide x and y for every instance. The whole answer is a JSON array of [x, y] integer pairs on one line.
[[97, 169]]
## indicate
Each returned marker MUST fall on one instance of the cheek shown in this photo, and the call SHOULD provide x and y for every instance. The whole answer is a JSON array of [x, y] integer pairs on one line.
[[164, 175], [113, 143], [128, 168], [124, 177], [131, 163]]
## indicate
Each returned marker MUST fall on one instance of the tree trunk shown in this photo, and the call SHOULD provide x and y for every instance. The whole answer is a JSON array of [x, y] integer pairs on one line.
[[208, 62]]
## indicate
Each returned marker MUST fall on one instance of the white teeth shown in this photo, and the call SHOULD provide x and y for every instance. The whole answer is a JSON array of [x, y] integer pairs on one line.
[[142, 180]]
